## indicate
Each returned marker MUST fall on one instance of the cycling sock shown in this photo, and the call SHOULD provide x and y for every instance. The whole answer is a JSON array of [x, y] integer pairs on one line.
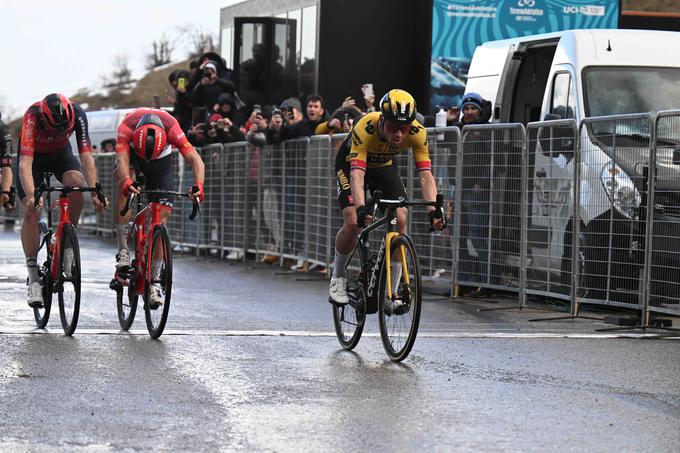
[[122, 232], [32, 265], [341, 261], [156, 269], [395, 276]]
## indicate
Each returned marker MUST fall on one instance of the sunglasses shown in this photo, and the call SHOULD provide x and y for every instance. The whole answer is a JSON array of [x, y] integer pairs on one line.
[[393, 128]]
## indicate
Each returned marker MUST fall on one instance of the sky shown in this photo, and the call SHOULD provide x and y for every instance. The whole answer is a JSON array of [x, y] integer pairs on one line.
[[63, 45]]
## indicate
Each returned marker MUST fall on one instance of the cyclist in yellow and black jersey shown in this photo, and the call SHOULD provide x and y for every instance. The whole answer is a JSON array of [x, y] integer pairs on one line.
[[366, 159]]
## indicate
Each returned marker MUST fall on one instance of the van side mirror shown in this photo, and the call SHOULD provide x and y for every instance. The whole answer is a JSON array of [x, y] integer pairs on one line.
[[556, 140]]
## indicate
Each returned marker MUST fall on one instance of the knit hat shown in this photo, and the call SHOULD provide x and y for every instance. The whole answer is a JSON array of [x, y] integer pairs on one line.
[[473, 99], [292, 102]]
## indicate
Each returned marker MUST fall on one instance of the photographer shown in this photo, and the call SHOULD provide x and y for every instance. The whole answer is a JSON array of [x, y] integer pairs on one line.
[[207, 91], [183, 101]]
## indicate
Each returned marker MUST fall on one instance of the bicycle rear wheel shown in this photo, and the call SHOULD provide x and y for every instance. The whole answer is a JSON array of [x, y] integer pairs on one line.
[[161, 278], [68, 287], [126, 298], [399, 317], [349, 319], [42, 315]]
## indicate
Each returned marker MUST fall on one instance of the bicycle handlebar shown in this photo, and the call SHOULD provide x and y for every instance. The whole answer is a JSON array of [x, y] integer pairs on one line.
[[196, 208], [401, 202], [42, 188]]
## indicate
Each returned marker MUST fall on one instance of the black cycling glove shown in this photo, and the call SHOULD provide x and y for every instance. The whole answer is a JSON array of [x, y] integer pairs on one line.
[[362, 212], [437, 214]]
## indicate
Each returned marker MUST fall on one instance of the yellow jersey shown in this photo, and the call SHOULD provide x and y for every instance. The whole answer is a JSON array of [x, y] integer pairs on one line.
[[365, 148]]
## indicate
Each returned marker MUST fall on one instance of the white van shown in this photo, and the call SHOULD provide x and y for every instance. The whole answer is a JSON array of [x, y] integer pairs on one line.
[[579, 74]]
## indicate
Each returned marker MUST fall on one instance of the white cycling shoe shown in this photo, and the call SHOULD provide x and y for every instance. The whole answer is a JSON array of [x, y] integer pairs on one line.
[[35, 295], [337, 292]]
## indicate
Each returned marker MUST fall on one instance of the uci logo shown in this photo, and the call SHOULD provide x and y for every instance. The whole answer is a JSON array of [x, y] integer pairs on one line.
[[527, 3]]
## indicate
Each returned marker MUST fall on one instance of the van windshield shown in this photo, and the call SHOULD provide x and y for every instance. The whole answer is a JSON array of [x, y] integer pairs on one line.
[[622, 90]]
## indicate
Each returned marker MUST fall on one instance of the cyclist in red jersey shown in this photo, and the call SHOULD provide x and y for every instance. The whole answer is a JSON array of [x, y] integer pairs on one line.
[[5, 165], [44, 146], [150, 133]]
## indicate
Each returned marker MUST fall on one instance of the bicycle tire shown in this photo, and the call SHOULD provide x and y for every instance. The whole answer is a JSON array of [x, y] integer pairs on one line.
[[42, 315], [155, 322], [398, 330], [349, 319], [68, 287], [127, 311]]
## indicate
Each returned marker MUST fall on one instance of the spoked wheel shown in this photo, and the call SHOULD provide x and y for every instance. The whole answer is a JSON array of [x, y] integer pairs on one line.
[[160, 282], [68, 286], [42, 315], [349, 319], [126, 298], [400, 315]]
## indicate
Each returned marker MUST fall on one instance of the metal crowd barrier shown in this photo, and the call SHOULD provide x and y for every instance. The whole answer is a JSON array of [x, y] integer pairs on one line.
[[548, 211], [489, 196], [662, 283], [541, 210]]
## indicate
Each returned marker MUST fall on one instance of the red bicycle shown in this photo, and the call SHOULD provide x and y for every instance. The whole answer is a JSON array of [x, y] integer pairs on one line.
[[60, 271], [151, 266]]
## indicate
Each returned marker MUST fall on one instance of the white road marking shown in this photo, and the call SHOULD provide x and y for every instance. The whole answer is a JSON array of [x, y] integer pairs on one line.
[[307, 333]]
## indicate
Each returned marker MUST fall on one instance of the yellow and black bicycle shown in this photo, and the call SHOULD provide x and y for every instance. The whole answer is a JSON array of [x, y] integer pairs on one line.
[[388, 282]]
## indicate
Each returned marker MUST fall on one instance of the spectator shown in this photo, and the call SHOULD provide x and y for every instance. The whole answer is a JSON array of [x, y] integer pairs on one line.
[[108, 145], [227, 109], [259, 79], [476, 195], [207, 91], [183, 101], [299, 126]]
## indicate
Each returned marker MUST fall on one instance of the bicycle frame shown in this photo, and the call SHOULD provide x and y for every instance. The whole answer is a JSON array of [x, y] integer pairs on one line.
[[384, 254], [153, 209], [64, 218]]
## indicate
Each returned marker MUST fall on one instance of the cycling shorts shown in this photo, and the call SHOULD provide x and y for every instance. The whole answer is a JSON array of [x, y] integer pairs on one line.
[[58, 163], [385, 179]]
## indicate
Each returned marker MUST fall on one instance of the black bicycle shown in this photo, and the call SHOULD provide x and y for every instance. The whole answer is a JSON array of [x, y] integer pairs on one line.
[[388, 282], [60, 271]]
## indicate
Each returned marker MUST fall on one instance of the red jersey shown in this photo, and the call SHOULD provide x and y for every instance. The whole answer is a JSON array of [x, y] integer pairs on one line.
[[172, 128], [36, 140]]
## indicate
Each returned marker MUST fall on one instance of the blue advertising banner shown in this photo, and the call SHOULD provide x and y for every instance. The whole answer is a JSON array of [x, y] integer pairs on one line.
[[459, 26]]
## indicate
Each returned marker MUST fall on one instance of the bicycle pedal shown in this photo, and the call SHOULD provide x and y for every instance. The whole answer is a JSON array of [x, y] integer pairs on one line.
[[115, 285]]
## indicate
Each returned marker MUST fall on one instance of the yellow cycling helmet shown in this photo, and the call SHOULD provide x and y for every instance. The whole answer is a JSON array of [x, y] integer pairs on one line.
[[398, 106]]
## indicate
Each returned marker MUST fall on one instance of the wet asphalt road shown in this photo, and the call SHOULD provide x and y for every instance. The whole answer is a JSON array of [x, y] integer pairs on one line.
[[249, 363]]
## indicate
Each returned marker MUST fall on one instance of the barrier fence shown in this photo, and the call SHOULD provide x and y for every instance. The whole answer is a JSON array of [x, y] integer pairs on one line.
[[588, 213]]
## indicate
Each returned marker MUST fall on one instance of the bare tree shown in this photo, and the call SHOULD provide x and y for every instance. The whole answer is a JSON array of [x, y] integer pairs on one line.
[[162, 51], [121, 76], [200, 41]]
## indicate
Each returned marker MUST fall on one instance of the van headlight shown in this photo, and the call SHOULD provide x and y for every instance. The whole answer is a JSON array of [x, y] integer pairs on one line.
[[620, 189]]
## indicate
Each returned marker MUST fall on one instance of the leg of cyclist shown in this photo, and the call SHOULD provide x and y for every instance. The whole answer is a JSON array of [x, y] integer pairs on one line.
[[346, 239], [122, 221], [30, 232]]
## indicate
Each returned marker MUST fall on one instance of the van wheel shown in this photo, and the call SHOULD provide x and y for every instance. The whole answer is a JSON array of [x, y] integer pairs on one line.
[[591, 285]]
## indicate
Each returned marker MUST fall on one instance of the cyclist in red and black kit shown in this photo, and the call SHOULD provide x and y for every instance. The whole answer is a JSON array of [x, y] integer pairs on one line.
[[150, 133], [44, 146], [5, 165]]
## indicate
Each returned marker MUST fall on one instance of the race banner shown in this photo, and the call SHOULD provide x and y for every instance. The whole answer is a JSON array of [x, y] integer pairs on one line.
[[459, 26]]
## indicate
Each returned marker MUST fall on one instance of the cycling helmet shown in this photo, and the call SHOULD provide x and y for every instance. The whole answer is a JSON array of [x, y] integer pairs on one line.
[[149, 138], [56, 112], [398, 106]]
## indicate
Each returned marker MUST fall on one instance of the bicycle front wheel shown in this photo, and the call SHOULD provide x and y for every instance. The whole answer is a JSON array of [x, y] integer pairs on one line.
[[160, 282], [42, 315], [399, 314], [126, 297], [68, 286]]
